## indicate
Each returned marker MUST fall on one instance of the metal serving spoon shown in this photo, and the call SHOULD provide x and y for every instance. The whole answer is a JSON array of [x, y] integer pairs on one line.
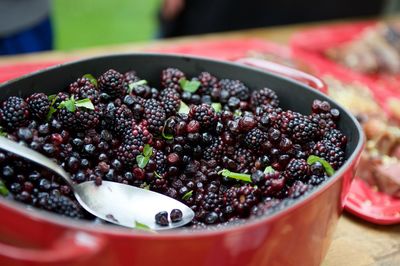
[[114, 202]]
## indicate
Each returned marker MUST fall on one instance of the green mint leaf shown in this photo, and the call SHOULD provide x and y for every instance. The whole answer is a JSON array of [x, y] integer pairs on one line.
[[183, 108], [135, 84], [147, 150], [189, 86], [3, 189], [237, 113], [157, 175], [328, 168], [269, 170], [166, 136], [85, 103], [145, 186], [92, 79], [187, 195], [52, 98], [2, 132], [70, 105], [52, 110], [142, 160], [237, 176], [217, 107], [141, 226]]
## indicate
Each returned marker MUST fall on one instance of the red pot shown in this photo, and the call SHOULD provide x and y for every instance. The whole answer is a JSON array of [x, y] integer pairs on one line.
[[299, 234]]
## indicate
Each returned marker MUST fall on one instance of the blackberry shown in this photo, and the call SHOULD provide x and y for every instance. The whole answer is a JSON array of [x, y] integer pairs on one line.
[[61, 205], [39, 105], [88, 91], [67, 118], [214, 151], [111, 83], [336, 137], [297, 189], [316, 180], [123, 120], [244, 159], [79, 83], [170, 99], [324, 121], [234, 88], [299, 127], [170, 78], [297, 169], [204, 114], [129, 78], [255, 138], [86, 119], [133, 144], [155, 115], [242, 199], [161, 218], [264, 96], [320, 107], [61, 96], [160, 159], [14, 112], [176, 215], [208, 83], [330, 152]]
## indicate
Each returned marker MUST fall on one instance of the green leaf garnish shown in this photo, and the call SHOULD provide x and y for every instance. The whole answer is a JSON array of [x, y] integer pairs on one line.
[[3, 189], [85, 103], [187, 195], [147, 150], [237, 113], [328, 168], [217, 107], [52, 110], [141, 226], [183, 108], [52, 98], [92, 79], [2, 132], [142, 161], [237, 176], [269, 170], [135, 84], [144, 158], [189, 85], [71, 104], [157, 175]]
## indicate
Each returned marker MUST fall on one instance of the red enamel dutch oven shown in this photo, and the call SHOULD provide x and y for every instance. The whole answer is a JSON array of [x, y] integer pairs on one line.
[[297, 234]]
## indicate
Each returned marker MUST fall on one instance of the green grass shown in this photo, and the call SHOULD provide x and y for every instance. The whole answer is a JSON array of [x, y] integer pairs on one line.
[[86, 23]]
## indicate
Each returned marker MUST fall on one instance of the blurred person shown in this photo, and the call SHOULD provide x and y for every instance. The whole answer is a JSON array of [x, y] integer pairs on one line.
[[189, 17], [25, 26]]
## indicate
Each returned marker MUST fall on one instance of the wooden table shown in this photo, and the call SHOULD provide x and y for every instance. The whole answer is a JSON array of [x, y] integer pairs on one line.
[[355, 242]]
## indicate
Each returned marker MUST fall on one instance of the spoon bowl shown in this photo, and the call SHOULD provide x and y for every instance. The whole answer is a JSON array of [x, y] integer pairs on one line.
[[116, 203]]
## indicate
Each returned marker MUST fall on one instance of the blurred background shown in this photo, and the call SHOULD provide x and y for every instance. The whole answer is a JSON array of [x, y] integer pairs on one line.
[[85, 23], [74, 24]]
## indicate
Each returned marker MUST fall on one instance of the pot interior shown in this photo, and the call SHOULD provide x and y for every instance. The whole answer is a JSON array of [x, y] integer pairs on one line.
[[293, 95]]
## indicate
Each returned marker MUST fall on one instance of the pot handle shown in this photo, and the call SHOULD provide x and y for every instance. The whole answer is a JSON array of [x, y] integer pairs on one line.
[[285, 71], [71, 247]]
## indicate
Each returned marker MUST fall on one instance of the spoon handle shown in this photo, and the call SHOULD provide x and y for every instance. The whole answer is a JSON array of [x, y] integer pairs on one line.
[[33, 156]]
